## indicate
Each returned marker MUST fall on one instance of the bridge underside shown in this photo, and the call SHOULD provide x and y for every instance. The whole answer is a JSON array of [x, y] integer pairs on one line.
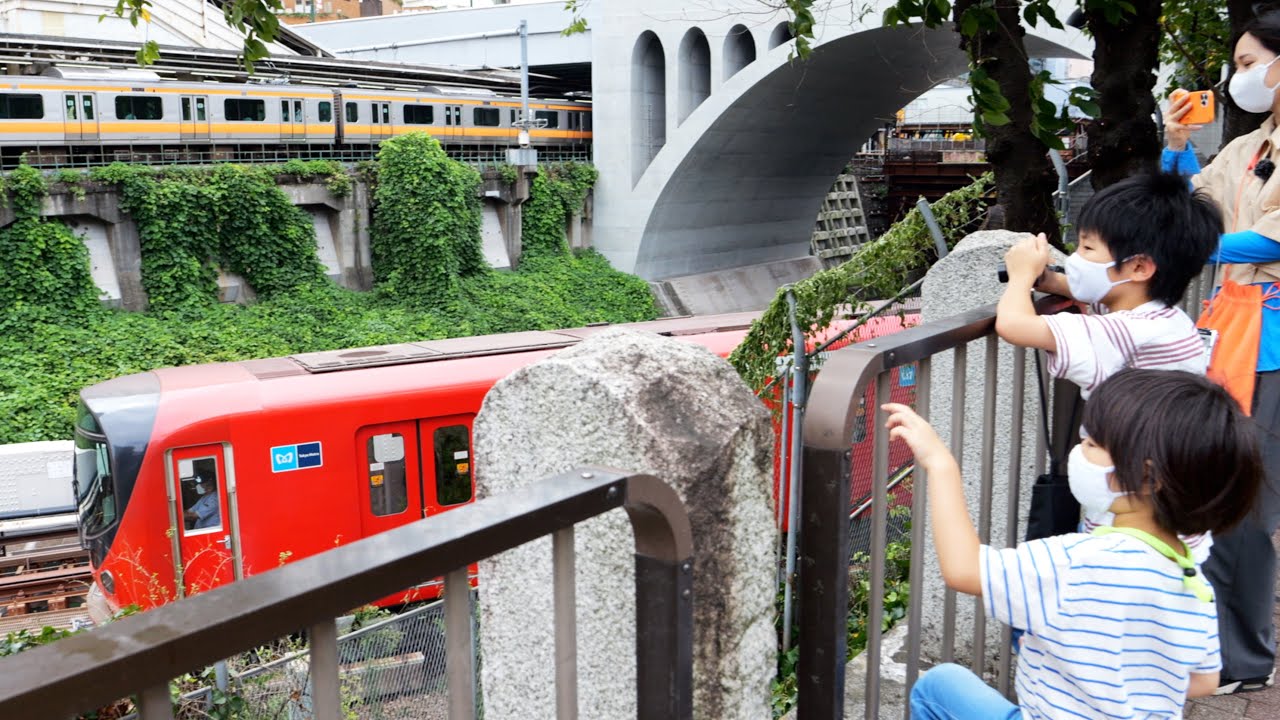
[[748, 190]]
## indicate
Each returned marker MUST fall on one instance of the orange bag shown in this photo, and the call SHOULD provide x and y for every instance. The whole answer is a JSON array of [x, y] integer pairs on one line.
[[1236, 313]]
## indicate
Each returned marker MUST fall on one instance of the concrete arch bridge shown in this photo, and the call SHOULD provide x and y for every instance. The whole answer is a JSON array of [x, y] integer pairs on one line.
[[716, 146]]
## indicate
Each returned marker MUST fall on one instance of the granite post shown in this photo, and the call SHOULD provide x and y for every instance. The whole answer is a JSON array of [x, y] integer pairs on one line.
[[637, 401]]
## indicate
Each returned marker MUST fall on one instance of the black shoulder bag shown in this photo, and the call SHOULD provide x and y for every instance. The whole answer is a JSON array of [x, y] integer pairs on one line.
[[1054, 510]]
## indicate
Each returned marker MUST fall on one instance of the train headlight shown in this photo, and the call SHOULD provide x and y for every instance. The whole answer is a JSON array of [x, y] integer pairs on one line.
[[108, 581]]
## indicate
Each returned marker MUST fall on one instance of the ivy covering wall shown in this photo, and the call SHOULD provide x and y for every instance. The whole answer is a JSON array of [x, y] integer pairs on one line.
[[879, 270], [56, 338]]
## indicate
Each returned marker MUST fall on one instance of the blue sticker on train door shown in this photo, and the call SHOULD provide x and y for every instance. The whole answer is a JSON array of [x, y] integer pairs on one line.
[[907, 376]]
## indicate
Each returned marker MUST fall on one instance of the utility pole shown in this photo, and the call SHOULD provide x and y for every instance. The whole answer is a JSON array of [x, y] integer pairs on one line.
[[524, 155]]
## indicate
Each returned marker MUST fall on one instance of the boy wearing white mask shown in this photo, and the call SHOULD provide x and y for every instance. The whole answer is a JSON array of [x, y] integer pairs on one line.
[[1140, 243]]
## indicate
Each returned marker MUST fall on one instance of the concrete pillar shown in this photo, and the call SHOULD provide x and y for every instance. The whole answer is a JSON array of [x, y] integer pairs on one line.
[[631, 400], [965, 280]]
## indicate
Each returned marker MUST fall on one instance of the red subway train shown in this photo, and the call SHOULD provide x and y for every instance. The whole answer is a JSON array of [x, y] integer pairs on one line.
[[188, 478]]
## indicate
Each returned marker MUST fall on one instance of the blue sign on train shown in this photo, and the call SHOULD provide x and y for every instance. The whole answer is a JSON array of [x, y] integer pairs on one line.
[[296, 457]]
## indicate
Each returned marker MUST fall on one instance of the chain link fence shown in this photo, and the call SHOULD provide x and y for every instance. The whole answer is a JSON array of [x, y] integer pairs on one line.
[[391, 669]]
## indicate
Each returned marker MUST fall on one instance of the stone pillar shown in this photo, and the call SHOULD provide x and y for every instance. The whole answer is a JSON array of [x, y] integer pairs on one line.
[[638, 401], [966, 280]]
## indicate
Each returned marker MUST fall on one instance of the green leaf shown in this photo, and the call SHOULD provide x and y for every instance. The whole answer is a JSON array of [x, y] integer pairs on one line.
[[995, 118]]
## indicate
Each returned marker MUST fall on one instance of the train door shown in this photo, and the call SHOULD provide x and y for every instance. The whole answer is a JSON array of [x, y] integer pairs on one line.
[[453, 120], [201, 492], [194, 118], [447, 468], [293, 119], [80, 116], [389, 476], [380, 126]]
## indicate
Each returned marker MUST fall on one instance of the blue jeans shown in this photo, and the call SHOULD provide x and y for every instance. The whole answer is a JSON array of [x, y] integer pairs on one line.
[[951, 692]]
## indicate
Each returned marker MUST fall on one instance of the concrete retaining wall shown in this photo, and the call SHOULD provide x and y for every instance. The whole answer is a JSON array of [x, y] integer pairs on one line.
[[342, 225]]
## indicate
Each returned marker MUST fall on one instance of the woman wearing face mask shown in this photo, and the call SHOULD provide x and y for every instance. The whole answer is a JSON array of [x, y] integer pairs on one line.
[[1242, 180]]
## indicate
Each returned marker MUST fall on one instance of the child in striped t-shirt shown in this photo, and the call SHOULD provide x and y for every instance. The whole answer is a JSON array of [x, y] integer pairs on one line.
[[1140, 243], [1118, 623]]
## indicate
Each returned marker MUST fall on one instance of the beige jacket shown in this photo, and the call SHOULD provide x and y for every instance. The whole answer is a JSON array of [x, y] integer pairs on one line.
[[1247, 202]]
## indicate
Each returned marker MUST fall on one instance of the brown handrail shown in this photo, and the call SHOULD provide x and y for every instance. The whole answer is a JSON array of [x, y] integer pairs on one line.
[[140, 654], [825, 491]]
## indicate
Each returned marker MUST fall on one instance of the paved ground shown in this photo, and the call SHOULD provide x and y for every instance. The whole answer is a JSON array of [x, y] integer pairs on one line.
[[1261, 705]]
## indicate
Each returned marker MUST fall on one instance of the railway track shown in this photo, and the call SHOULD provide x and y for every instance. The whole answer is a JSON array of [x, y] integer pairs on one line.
[[44, 576]]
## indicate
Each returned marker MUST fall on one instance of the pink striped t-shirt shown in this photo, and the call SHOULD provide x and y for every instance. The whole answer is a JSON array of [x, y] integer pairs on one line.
[[1093, 347]]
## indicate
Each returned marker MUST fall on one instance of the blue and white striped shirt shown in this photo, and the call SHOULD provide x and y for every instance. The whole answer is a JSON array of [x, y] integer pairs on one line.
[[1111, 631]]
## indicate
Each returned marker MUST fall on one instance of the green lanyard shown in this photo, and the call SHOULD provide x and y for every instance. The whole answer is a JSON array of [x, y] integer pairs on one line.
[[1190, 577]]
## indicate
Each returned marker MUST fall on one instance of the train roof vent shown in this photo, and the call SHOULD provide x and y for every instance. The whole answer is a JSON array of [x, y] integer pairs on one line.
[[268, 368], [432, 350], [98, 73]]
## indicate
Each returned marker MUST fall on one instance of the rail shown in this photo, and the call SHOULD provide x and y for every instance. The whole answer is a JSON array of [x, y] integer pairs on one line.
[[825, 490], [140, 654]]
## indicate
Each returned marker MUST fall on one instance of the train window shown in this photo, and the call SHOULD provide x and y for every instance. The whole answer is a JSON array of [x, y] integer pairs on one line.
[[551, 116], [373, 107], [586, 121], [201, 504], [386, 113], [326, 111], [95, 489], [88, 107], [186, 109], [139, 107], [71, 108], [575, 121], [15, 106], [245, 109], [200, 110], [486, 117], [353, 112], [388, 493], [453, 464], [284, 111], [514, 117], [419, 115]]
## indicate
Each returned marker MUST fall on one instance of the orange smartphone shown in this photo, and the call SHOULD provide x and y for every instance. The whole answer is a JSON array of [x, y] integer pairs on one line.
[[1201, 112]]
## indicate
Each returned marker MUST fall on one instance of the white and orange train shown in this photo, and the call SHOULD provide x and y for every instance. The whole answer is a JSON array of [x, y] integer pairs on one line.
[[87, 107]]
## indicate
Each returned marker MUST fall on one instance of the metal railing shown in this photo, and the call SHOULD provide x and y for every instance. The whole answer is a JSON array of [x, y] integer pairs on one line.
[[140, 654], [829, 430], [51, 157]]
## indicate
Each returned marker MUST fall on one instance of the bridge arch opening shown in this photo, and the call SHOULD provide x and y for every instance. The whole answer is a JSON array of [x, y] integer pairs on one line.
[[648, 102], [781, 34], [694, 64], [739, 50]]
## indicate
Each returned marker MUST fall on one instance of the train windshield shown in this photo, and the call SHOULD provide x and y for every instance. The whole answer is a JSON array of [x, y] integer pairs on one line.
[[95, 485]]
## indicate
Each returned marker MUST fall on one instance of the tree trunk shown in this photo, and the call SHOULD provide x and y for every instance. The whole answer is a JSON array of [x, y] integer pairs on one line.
[[1123, 140], [1025, 178], [1236, 122]]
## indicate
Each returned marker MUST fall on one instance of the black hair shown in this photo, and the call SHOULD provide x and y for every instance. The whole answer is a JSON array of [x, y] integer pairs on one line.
[[1159, 216], [1265, 26], [1183, 439]]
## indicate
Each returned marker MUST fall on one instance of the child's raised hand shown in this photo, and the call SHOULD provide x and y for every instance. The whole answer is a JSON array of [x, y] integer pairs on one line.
[[904, 424], [1027, 259]]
